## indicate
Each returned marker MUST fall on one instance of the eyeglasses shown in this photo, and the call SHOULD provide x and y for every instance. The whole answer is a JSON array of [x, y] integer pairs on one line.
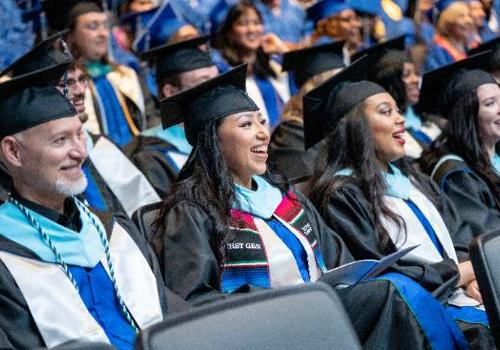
[[71, 83]]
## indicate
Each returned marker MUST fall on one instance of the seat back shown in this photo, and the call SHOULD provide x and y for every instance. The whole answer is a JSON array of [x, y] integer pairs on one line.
[[82, 345], [485, 257], [308, 316], [144, 218]]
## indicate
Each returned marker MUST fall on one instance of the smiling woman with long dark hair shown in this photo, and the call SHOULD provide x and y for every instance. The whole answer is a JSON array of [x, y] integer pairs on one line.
[[378, 203], [465, 162], [230, 226], [241, 39]]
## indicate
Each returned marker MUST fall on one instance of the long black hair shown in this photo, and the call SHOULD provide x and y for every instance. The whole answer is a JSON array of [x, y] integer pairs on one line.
[[388, 72], [461, 136], [351, 145], [207, 181], [230, 50]]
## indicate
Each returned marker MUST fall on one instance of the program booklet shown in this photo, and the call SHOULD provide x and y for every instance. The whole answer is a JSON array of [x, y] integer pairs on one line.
[[360, 270]]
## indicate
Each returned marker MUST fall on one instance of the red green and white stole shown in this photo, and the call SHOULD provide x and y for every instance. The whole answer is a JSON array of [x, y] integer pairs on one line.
[[247, 261]]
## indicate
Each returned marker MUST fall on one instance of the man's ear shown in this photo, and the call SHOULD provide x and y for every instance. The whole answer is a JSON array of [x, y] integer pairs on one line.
[[11, 149]]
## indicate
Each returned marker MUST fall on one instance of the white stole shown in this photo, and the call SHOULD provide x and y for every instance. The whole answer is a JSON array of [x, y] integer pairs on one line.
[[58, 310], [283, 269], [426, 252], [127, 182]]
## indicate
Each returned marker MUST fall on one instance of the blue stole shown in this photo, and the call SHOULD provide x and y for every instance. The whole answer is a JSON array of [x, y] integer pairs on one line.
[[294, 245], [263, 203], [92, 193], [398, 186], [413, 123], [82, 251], [272, 100], [112, 113], [98, 295], [294, 89]]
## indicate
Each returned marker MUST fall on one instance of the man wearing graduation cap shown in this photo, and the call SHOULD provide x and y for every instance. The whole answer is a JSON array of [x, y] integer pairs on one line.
[[176, 67], [108, 191], [310, 67], [63, 277], [116, 100]]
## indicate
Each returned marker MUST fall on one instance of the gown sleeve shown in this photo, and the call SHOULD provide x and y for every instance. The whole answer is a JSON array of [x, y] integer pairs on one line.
[[473, 200], [190, 267], [17, 327], [347, 213]]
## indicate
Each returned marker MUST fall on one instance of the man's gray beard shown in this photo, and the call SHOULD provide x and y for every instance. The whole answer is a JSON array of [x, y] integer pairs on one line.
[[70, 189]]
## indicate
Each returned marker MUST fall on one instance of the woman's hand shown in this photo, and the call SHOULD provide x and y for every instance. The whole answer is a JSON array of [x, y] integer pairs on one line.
[[473, 291], [271, 43], [466, 273]]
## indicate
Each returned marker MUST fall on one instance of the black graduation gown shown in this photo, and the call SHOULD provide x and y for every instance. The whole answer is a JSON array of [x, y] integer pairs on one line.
[[379, 314], [17, 327], [472, 197], [347, 213], [287, 154], [5, 184], [148, 154]]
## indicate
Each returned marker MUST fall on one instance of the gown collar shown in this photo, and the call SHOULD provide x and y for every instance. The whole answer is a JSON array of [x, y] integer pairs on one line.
[[398, 185], [495, 163], [412, 120], [79, 248], [262, 202]]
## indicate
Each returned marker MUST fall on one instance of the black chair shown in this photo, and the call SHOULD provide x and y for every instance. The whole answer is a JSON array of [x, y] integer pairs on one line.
[[308, 316], [144, 217], [485, 257]]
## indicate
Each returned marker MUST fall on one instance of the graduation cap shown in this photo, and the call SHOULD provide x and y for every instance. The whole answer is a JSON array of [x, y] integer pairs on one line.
[[441, 5], [326, 8], [308, 62], [375, 52], [440, 88], [137, 21], [163, 23], [217, 15], [211, 100], [47, 53], [62, 14], [179, 57], [32, 99], [492, 45], [368, 7], [328, 103]]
